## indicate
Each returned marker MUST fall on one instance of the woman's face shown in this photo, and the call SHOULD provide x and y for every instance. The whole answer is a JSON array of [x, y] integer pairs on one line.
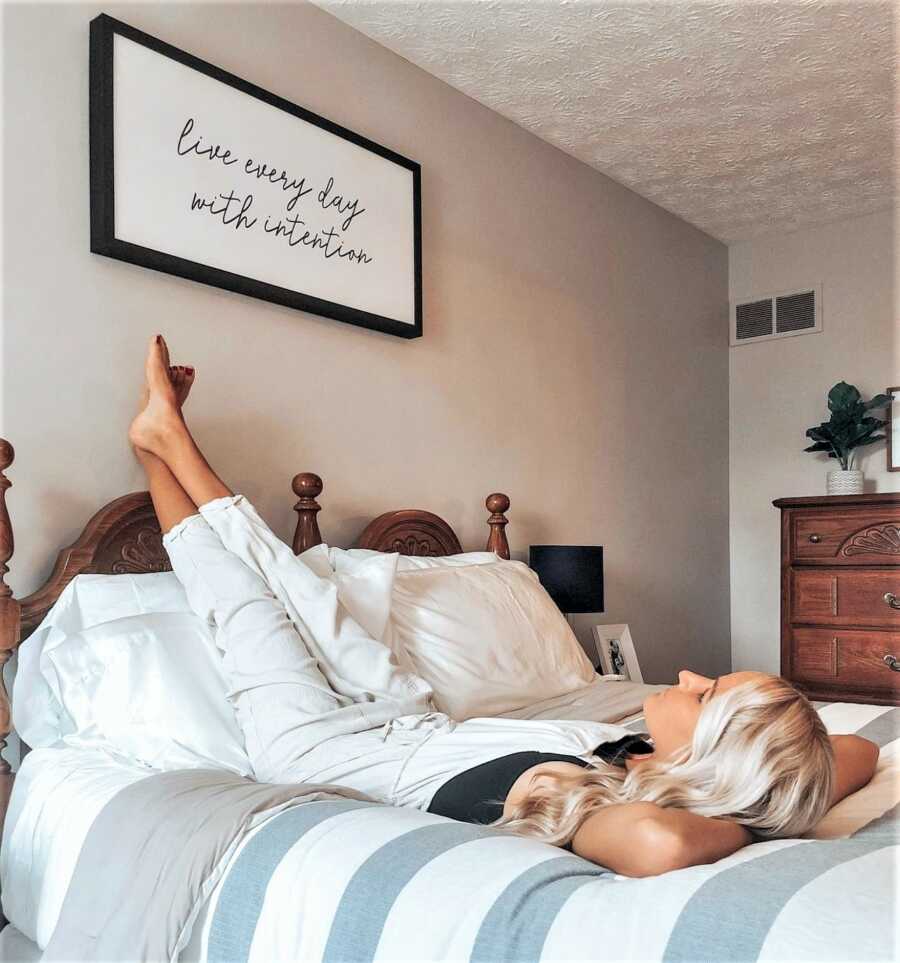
[[671, 716]]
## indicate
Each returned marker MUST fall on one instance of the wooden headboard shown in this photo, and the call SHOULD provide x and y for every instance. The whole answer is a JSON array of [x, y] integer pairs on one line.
[[124, 537]]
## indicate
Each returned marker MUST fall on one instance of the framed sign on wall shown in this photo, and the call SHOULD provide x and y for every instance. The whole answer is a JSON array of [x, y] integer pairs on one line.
[[200, 174]]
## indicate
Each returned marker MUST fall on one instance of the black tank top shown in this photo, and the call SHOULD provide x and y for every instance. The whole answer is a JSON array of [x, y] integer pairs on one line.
[[477, 795]]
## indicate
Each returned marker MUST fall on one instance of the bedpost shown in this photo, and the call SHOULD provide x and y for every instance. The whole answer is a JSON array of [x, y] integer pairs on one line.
[[497, 504], [9, 622], [307, 487]]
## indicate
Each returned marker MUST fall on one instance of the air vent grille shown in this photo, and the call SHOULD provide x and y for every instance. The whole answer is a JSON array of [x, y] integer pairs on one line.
[[795, 312], [779, 315], [754, 319]]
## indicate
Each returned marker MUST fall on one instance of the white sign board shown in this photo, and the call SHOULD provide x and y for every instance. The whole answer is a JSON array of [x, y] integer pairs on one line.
[[201, 174]]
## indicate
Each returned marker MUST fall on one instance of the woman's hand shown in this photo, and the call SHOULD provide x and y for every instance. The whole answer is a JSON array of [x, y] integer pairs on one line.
[[855, 761]]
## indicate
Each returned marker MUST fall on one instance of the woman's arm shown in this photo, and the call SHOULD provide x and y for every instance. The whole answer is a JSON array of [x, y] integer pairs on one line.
[[855, 760], [643, 839]]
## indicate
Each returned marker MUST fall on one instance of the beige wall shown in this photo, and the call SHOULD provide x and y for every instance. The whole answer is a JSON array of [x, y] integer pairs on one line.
[[778, 390], [575, 349]]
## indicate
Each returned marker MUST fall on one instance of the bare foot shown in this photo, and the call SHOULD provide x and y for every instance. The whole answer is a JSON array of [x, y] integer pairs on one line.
[[161, 415], [182, 379]]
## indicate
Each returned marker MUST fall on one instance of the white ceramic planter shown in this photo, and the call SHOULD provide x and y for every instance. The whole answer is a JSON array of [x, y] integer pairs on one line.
[[844, 482]]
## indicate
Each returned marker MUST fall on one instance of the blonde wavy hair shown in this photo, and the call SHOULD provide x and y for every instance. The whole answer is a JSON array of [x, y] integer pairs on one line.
[[760, 756]]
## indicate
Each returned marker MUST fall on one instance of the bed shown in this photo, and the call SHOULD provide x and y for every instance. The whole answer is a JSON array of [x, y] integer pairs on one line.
[[325, 875]]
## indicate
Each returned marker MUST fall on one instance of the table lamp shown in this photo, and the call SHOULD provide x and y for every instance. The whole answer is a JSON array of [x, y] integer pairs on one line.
[[571, 574]]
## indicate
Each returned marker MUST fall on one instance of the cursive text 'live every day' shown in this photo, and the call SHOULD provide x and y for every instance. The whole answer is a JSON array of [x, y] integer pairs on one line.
[[327, 198]]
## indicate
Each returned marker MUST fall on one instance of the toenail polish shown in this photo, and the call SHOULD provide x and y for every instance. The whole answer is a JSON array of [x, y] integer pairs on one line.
[[189, 370]]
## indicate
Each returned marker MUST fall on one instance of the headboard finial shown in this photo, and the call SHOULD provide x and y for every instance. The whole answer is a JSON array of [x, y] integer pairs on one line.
[[7, 454], [497, 504], [9, 607], [307, 487]]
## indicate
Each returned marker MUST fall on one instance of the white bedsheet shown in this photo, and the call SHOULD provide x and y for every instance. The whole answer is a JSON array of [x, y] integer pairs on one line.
[[57, 794], [16, 948], [603, 700]]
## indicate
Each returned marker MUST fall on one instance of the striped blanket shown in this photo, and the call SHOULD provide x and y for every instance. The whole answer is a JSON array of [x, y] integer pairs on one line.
[[342, 880]]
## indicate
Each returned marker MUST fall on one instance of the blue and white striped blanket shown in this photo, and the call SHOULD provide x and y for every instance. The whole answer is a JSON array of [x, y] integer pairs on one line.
[[341, 880]]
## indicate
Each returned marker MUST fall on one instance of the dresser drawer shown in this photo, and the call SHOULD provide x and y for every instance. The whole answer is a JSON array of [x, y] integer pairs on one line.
[[845, 658], [845, 597], [849, 537], [840, 556]]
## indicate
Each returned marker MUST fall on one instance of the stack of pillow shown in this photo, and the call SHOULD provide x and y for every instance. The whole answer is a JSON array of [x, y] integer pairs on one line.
[[121, 662], [481, 631]]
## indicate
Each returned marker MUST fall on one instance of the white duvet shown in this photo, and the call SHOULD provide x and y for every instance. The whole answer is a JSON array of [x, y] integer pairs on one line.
[[59, 792]]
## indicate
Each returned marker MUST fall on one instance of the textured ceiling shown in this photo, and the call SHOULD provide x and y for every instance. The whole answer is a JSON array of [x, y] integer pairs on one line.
[[743, 118]]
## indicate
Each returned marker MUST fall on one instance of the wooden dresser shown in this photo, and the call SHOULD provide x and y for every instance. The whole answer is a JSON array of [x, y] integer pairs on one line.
[[840, 596]]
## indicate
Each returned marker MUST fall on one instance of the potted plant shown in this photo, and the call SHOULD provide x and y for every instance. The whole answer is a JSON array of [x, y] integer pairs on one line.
[[849, 427]]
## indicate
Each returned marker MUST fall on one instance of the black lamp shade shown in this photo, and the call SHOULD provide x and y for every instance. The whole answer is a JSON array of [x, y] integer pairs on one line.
[[571, 574]]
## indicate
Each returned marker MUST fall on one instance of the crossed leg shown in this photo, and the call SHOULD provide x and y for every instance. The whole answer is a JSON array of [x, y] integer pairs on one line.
[[301, 671], [310, 688], [170, 500], [160, 430]]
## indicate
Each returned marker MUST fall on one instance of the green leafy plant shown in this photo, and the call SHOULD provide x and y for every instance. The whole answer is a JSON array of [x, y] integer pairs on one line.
[[850, 426]]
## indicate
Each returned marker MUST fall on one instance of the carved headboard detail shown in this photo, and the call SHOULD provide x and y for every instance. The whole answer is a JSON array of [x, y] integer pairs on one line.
[[410, 532], [123, 537]]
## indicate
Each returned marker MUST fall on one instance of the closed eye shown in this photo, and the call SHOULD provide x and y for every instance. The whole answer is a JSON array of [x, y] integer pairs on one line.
[[710, 691]]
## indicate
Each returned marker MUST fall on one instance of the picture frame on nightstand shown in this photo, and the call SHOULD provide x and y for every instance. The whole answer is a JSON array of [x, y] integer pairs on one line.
[[616, 651]]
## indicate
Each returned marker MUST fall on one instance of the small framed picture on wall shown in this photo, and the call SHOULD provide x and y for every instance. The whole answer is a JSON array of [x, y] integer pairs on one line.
[[892, 430], [616, 652]]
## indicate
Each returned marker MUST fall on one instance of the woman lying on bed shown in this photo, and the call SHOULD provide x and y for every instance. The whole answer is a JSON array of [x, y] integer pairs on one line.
[[738, 758]]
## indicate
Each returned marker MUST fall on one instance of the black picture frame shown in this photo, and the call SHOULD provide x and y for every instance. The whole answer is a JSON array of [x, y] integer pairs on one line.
[[103, 238], [893, 411]]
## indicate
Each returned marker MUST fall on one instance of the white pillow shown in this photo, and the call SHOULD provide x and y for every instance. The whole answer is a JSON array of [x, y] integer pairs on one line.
[[365, 581], [87, 600], [318, 559], [91, 599], [149, 688], [365, 585], [407, 563], [487, 638], [365, 578], [41, 716]]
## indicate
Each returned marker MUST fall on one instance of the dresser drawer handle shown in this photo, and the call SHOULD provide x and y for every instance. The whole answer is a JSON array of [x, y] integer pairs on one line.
[[892, 600], [892, 662]]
